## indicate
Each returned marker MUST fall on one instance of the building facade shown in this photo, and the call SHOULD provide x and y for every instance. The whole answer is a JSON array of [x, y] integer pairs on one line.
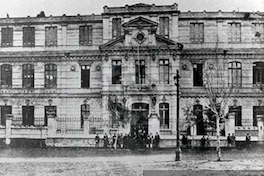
[[91, 70]]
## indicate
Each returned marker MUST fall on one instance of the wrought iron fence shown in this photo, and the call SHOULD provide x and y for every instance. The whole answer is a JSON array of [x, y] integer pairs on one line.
[[96, 125], [69, 125], [34, 122]]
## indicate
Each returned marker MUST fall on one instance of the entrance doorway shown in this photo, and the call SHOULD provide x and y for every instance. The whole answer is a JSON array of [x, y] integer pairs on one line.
[[139, 120], [139, 124], [198, 112]]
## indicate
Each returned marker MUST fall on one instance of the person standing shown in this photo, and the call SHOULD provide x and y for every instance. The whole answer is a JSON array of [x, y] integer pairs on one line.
[[157, 140], [114, 142], [229, 140], [208, 145], [121, 141], [106, 141], [97, 140], [233, 140], [248, 140], [203, 141]]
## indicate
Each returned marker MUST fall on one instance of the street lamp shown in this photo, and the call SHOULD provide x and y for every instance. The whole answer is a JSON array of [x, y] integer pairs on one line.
[[178, 149]]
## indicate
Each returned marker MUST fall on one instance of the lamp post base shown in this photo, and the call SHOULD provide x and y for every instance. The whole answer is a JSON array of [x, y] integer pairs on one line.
[[178, 154]]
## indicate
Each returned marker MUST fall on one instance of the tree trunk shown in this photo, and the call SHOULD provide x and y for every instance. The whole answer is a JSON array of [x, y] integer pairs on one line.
[[218, 149]]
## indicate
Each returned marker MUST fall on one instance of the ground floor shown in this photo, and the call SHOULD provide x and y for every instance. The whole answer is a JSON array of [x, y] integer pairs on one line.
[[77, 118]]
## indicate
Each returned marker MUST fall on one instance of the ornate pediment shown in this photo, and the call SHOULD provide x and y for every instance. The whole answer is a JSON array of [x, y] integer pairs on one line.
[[140, 22]]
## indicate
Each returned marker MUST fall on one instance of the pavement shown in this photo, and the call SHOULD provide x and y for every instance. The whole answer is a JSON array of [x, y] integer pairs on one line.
[[80, 161]]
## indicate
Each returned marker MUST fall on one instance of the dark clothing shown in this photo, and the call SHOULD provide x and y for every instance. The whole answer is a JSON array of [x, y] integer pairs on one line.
[[203, 141], [156, 141], [248, 138], [229, 140], [97, 140], [106, 141]]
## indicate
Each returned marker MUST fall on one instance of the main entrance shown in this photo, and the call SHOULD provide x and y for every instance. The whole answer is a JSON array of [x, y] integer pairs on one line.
[[139, 125]]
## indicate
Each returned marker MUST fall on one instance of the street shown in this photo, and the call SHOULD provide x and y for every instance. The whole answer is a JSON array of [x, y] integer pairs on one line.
[[84, 161]]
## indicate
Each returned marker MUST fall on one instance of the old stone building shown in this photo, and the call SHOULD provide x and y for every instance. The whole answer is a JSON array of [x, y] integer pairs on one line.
[[60, 73]]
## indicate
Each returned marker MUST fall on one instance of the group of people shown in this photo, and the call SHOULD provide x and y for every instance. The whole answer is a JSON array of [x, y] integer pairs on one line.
[[129, 141], [205, 142], [231, 140]]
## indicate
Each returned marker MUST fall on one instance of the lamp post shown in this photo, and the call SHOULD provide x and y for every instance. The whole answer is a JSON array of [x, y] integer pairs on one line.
[[178, 149]]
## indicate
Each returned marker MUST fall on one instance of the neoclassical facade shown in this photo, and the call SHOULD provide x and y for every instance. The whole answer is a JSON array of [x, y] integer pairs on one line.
[[73, 66]]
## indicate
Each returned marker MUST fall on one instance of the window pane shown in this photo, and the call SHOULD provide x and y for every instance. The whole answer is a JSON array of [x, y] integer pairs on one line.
[[6, 76], [28, 75], [50, 76], [6, 37], [28, 36], [51, 36], [116, 27]]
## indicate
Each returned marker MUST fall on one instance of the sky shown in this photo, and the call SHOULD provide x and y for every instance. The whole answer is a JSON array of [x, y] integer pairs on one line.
[[24, 8]]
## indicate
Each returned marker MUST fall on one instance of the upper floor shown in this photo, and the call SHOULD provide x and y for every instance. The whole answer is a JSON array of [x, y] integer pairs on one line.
[[195, 30]]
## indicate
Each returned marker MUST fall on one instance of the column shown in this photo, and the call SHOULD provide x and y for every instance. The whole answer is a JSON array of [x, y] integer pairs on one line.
[[230, 124], [52, 125], [153, 123], [260, 128], [8, 128], [86, 124]]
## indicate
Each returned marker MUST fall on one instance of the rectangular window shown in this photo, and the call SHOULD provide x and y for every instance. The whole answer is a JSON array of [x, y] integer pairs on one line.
[[238, 117], [6, 37], [258, 73], [164, 26], [27, 115], [198, 75], [164, 71], [85, 35], [5, 110], [51, 36], [49, 110], [164, 115], [140, 72], [257, 110], [85, 112], [116, 27], [6, 76], [258, 32], [85, 76], [234, 74], [234, 34], [116, 72], [28, 75], [28, 36], [197, 32], [50, 76]]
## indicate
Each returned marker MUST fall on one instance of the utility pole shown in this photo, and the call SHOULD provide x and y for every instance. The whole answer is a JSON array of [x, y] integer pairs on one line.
[[178, 149]]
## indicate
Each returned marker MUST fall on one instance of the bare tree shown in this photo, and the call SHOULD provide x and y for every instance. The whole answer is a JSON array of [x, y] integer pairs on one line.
[[218, 93]]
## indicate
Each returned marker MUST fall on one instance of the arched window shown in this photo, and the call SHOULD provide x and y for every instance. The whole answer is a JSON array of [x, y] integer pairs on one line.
[[28, 75], [50, 76], [235, 74], [164, 115], [6, 76]]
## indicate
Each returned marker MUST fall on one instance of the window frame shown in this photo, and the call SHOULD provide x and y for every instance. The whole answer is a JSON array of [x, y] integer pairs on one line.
[[6, 76], [164, 117], [234, 32], [85, 110], [235, 74], [28, 76], [197, 32], [116, 27], [29, 36], [140, 71], [6, 36], [164, 71], [85, 83], [116, 71], [258, 72], [51, 36], [85, 35], [238, 114], [50, 75], [198, 74], [164, 26]]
